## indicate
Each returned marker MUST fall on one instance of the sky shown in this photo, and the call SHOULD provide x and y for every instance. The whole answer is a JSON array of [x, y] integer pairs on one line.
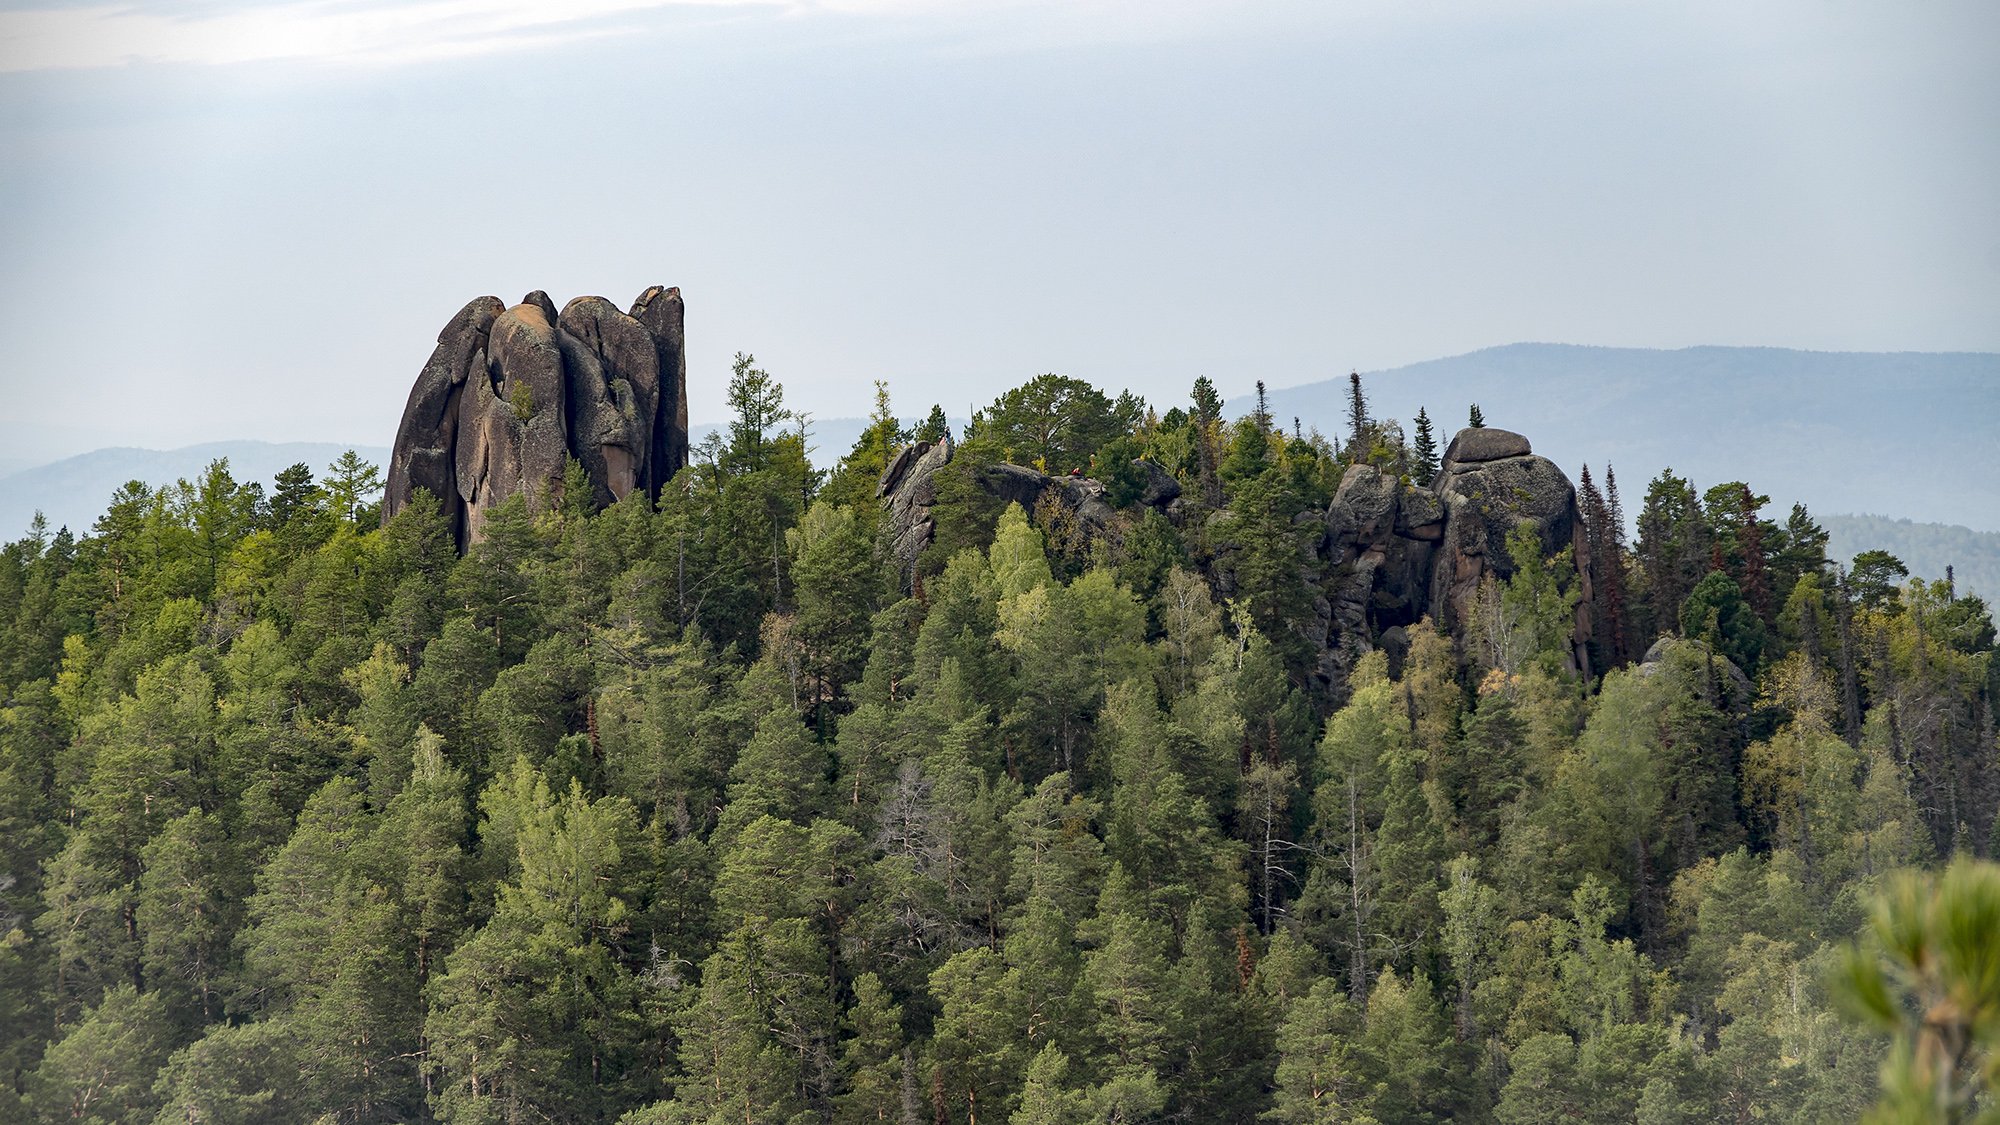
[[222, 219]]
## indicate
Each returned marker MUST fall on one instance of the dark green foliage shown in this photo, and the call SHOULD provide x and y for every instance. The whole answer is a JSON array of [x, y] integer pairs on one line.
[[1715, 611], [1054, 423], [1876, 578], [685, 812], [934, 428], [1426, 467]]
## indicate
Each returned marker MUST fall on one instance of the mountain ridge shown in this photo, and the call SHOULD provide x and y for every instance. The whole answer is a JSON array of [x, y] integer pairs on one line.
[[74, 491], [1798, 425]]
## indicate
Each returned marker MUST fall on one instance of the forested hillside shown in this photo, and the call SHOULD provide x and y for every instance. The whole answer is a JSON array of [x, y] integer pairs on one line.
[[1971, 558], [716, 812]]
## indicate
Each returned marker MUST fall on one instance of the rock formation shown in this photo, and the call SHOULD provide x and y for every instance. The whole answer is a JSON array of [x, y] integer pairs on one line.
[[510, 394], [907, 493], [1398, 553], [1389, 554]]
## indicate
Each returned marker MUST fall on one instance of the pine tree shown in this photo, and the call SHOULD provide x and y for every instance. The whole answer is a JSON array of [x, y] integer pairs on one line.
[[1321, 1077], [1478, 418], [934, 428], [872, 1057]]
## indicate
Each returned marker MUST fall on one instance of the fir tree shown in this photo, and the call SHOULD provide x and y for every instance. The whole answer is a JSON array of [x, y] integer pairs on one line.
[[1357, 418], [1426, 467]]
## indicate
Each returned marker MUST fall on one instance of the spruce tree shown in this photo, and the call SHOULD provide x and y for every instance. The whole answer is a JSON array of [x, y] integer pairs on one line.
[[1357, 417], [1426, 467], [933, 428], [1477, 420]]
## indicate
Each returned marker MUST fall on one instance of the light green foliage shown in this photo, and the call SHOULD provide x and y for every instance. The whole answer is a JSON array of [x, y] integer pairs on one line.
[[682, 811], [1930, 976], [1017, 557], [1321, 1078], [100, 1070]]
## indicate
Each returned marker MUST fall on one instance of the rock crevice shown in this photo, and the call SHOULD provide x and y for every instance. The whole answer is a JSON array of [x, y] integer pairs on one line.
[[511, 394]]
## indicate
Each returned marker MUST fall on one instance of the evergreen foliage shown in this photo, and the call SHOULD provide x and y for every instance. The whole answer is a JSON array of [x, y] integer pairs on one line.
[[695, 812]]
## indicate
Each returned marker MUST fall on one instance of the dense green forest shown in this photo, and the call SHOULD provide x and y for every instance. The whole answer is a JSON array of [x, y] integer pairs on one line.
[[704, 811]]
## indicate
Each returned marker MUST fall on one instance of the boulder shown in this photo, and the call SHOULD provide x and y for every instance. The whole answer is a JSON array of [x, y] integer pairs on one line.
[[541, 301], [1485, 443], [1085, 496], [1015, 484], [487, 454], [907, 495], [1496, 495], [1484, 502], [1364, 506], [1420, 515], [1160, 489], [527, 368]]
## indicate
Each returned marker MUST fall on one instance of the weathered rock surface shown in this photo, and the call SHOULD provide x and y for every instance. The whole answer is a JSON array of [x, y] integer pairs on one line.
[[1486, 444], [1161, 489], [1394, 554], [510, 394], [426, 442], [614, 388], [662, 313], [907, 493]]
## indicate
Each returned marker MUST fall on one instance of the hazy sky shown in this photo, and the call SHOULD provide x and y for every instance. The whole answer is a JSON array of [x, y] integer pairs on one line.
[[222, 219]]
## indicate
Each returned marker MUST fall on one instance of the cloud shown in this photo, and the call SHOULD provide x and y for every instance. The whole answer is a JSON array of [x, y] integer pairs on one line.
[[69, 35], [118, 34]]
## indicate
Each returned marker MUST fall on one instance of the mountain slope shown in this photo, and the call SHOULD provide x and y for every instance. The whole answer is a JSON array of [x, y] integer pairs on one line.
[[73, 492], [1926, 548], [1904, 433]]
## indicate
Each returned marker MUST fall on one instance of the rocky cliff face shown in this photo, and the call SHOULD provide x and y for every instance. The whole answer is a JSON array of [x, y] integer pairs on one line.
[[1397, 553], [510, 394], [1388, 554]]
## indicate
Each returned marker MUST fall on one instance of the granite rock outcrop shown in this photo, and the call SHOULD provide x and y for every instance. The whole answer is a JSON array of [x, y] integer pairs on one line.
[[509, 395], [1387, 553], [1396, 553]]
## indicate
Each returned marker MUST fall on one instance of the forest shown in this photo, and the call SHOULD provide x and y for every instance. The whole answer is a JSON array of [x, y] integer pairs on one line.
[[705, 811]]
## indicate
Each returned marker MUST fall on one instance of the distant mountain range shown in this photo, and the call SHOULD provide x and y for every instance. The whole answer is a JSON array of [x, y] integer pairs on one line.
[[74, 491], [1903, 434], [1907, 434], [1926, 548]]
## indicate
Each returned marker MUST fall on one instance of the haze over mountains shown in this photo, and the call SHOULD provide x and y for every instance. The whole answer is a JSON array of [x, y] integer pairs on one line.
[[74, 491], [1900, 435]]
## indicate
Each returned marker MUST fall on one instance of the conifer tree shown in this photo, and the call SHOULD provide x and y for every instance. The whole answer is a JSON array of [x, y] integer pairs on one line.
[[1426, 468], [1357, 418], [934, 428]]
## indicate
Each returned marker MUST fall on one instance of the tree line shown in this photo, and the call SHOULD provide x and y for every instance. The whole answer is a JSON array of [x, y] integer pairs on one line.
[[704, 812]]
